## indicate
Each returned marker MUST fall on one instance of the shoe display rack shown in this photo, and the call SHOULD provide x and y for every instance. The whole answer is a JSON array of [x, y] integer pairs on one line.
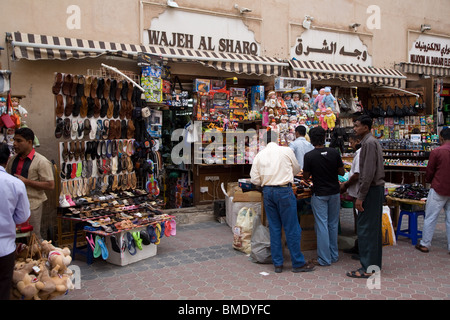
[[108, 170]]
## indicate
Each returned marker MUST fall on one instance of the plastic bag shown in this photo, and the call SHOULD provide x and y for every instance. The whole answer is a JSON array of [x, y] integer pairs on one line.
[[242, 231], [260, 242], [388, 235]]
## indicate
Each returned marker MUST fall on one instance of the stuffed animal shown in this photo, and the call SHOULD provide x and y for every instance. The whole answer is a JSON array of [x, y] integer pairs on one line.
[[21, 269], [56, 256], [62, 282], [46, 285], [25, 284]]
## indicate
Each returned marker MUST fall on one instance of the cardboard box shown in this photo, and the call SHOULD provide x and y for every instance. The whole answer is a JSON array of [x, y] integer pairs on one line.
[[125, 258], [202, 85], [250, 196], [308, 240]]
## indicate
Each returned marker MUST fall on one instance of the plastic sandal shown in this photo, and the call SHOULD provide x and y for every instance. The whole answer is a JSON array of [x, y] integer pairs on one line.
[[167, 228], [145, 237], [105, 253], [163, 229], [97, 249], [173, 224], [137, 239], [131, 244], [114, 244], [152, 233], [91, 242], [158, 233]]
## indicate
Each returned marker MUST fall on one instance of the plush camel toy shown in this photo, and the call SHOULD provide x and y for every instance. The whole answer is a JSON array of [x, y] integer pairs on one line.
[[45, 285], [56, 256], [62, 282], [27, 284]]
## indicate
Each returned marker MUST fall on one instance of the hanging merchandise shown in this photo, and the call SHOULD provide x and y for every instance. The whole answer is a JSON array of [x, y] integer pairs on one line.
[[7, 117], [180, 97]]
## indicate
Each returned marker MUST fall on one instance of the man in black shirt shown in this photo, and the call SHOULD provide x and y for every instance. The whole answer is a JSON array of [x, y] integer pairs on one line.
[[324, 165]]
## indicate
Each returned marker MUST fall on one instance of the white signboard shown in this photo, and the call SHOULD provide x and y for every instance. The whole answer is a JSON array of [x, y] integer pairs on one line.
[[187, 30], [430, 51], [331, 47]]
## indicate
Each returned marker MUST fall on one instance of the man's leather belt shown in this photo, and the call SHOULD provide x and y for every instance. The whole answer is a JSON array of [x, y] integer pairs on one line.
[[282, 186]]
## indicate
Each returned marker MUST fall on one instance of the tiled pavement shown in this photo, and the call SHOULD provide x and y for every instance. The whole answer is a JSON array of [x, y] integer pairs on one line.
[[199, 263]]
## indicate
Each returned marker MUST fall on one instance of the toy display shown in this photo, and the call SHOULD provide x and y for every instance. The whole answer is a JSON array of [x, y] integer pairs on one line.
[[41, 271]]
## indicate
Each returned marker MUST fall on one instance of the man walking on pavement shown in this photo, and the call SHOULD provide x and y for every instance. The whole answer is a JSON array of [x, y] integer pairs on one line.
[[273, 169], [438, 174], [369, 200]]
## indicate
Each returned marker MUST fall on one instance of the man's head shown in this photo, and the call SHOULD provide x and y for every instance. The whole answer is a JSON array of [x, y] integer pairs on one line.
[[4, 154], [23, 141], [363, 125], [317, 136], [300, 131], [445, 135]]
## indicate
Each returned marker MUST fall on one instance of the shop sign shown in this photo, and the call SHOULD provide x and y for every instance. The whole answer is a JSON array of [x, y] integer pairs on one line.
[[431, 51], [331, 47], [187, 30]]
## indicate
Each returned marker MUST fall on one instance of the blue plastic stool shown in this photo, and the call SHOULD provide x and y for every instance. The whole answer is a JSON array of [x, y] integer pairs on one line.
[[412, 231]]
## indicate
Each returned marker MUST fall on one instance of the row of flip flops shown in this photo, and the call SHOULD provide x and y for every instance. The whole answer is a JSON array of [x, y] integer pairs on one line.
[[132, 241]]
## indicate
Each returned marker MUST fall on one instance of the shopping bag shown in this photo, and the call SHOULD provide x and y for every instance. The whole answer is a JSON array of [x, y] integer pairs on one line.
[[242, 231], [260, 242], [388, 235]]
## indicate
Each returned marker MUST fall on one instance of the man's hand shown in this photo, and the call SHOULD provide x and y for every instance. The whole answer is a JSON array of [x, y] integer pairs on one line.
[[359, 205], [343, 188], [21, 178]]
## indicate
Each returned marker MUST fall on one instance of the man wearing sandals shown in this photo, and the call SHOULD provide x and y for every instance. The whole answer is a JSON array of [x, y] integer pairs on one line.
[[438, 174], [369, 200], [35, 171]]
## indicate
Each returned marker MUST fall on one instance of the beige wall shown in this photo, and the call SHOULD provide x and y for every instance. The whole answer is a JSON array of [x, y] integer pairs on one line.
[[274, 22]]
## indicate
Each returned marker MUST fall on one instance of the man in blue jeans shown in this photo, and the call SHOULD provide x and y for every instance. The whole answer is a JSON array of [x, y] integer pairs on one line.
[[438, 174], [324, 165], [273, 169]]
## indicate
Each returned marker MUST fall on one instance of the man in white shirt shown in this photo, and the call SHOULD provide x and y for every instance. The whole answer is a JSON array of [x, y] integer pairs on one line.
[[15, 209], [300, 145], [273, 169]]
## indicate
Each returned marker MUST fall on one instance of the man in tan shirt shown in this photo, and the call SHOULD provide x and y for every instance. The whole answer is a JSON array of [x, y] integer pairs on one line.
[[35, 171], [273, 169]]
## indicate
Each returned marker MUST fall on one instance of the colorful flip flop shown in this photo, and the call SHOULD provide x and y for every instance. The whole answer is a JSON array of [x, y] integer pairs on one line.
[[152, 233], [173, 225], [167, 228], [131, 246], [105, 253], [97, 250], [137, 239], [158, 233]]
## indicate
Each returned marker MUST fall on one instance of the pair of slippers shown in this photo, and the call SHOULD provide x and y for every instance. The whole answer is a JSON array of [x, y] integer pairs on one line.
[[170, 228], [136, 239], [99, 247]]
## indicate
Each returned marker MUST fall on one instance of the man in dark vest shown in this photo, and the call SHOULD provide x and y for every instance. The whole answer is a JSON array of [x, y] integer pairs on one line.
[[35, 171]]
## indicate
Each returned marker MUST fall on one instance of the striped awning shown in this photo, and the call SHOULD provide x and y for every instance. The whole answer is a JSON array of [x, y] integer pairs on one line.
[[434, 71], [318, 71], [37, 47]]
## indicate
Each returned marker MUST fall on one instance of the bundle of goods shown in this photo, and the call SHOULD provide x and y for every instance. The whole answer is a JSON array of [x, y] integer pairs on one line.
[[41, 271], [413, 191]]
